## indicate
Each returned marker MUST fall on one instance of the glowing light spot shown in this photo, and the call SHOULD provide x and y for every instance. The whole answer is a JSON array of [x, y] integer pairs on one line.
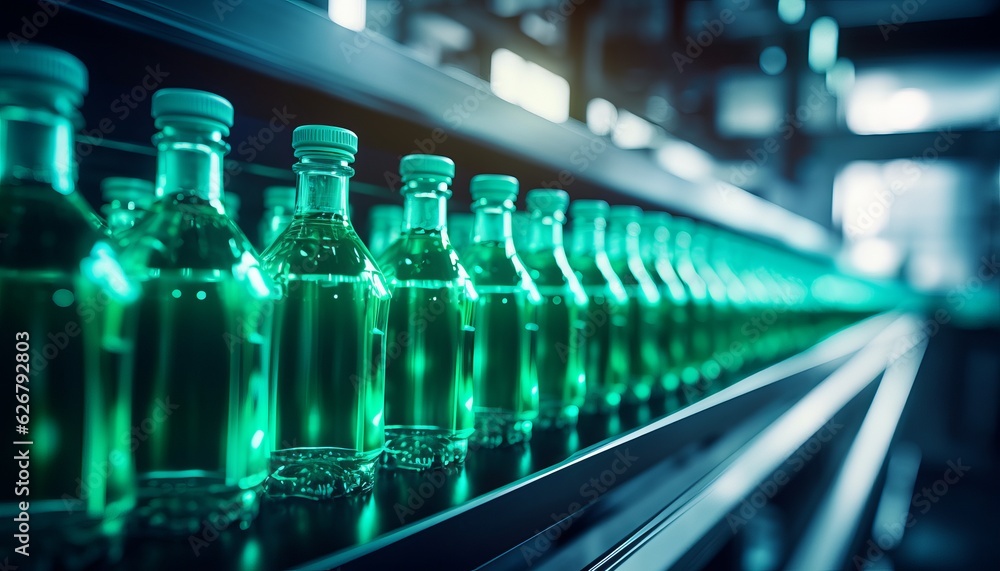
[[63, 297], [176, 293], [468, 404], [201, 295], [503, 300], [377, 420], [258, 438]]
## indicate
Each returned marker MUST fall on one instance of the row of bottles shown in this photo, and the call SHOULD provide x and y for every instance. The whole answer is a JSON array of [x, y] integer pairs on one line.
[[177, 376]]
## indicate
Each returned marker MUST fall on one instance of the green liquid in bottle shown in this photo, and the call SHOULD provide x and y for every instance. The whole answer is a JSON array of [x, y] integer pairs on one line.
[[605, 324], [560, 359], [75, 435], [199, 333], [430, 333], [328, 338], [506, 401], [646, 362]]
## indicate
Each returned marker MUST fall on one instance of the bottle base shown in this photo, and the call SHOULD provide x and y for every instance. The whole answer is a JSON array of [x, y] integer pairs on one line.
[[496, 428], [557, 417], [320, 473], [187, 502], [423, 447]]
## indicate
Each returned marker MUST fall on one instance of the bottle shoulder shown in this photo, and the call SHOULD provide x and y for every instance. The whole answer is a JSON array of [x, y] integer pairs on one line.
[[186, 234], [320, 248], [45, 229], [491, 265], [422, 257]]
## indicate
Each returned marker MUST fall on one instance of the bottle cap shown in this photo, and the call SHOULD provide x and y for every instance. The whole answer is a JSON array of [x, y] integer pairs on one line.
[[625, 213], [313, 139], [192, 106], [493, 188], [426, 165], [390, 212], [279, 196], [547, 201], [126, 189], [44, 66], [588, 209]]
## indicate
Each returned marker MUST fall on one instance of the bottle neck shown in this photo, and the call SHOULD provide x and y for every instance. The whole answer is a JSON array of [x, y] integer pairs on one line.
[[425, 207], [588, 235], [493, 224], [654, 243], [546, 232], [623, 239], [190, 162], [37, 148], [322, 188]]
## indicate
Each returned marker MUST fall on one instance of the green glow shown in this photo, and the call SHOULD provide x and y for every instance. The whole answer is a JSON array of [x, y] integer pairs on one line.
[[258, 438], [63, 297], [201, 295], [823, 37], [791, 11], [176, 294]]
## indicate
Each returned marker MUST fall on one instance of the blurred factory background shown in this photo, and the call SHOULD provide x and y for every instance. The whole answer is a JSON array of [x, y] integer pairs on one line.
[[867, 131]]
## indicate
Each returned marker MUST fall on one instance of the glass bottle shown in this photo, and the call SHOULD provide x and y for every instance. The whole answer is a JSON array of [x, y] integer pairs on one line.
[[198, 330], [701, 311], [386, 223], [719, 257], [723, 319], [232, 206], [675, 314], [504, 373], [128, 200], [430, 336], [646, 364], [562, 378], [460, 230], [521, 230], [279, 209], [605, 330], [328, 334], [79, 489]]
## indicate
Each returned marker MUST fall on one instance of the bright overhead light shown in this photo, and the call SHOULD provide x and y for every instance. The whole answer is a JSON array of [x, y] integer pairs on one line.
[[348, 13], [633, 132], [791, 11], [872, 110], [823, 38], [684, 160], [529, 85], [601, 116]]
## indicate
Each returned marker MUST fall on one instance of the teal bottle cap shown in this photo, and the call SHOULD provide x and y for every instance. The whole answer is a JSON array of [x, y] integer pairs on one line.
[[588, 208], [128, 189], [279, 196], [655, 219], [626, 213], [426, 165], [44, 66], [493, 188], [547, 201], [386, 212], [324, 139], [172, 105]]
